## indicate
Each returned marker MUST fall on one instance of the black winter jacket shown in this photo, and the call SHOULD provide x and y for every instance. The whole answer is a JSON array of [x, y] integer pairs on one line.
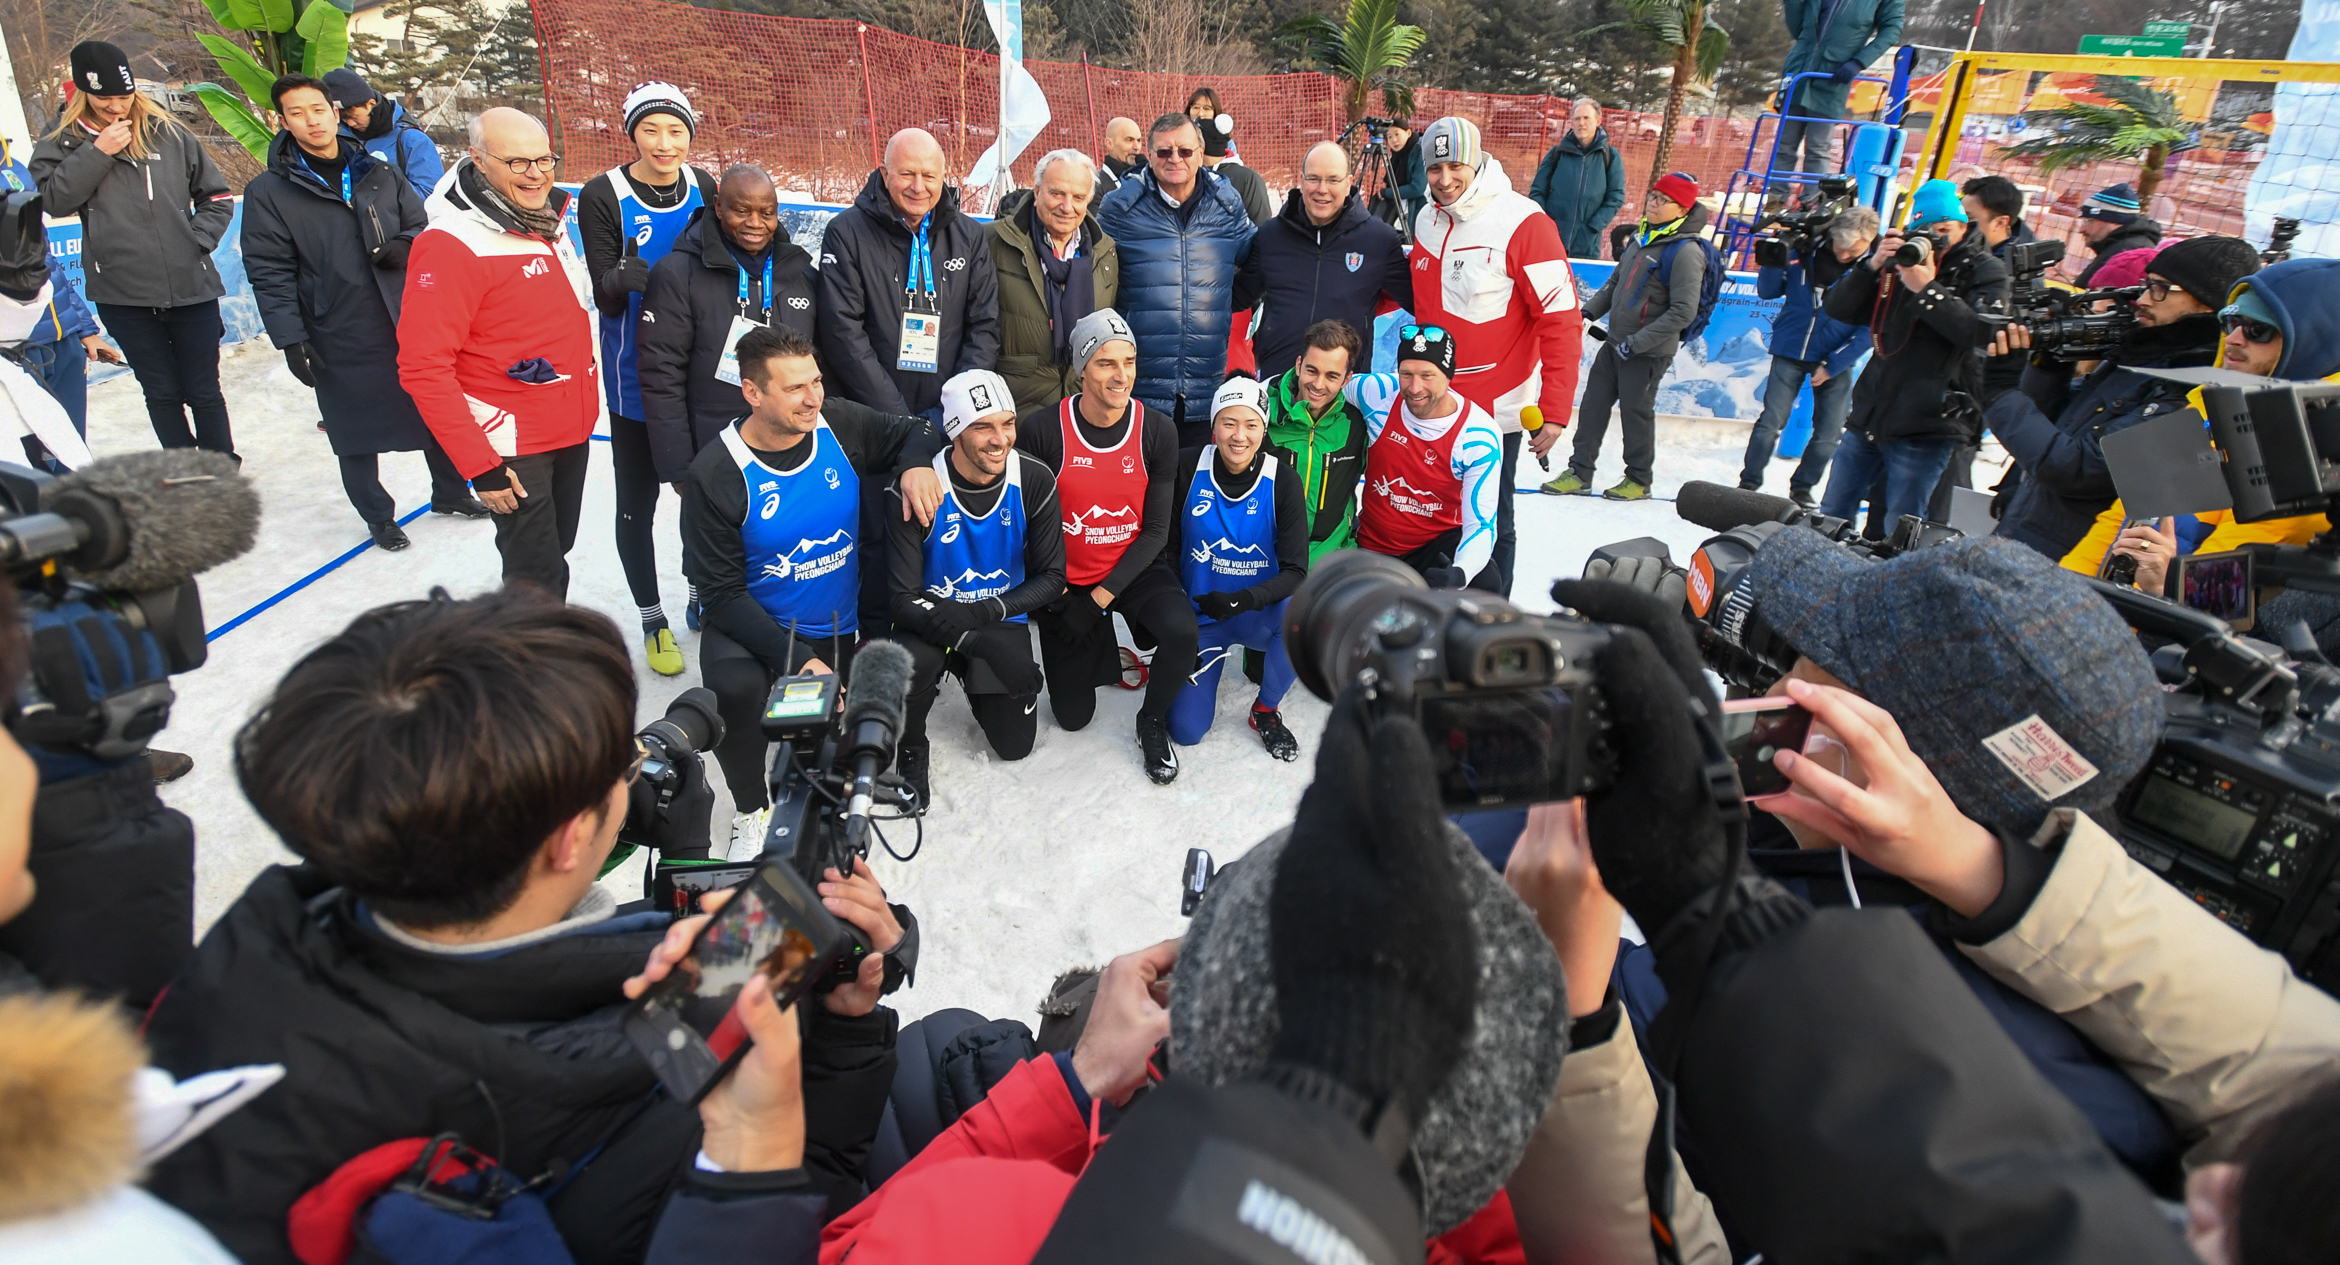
[[864, 272], [1926, 345], [1305, 274], [2134, 235], [147, 228], [520, 1052], [310, 256], [686, 318], [2002, 374], [2066, 483]]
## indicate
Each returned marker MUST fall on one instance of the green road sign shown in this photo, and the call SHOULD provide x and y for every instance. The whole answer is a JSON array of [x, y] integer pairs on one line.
[[2169, 30], [2133, 45]]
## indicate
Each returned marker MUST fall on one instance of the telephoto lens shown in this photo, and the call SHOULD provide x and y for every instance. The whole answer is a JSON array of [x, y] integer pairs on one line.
[[1917, 250]]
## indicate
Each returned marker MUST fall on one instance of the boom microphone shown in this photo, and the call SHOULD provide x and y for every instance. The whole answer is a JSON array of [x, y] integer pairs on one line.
[[1719, 508], [879, 695], [141, 522]]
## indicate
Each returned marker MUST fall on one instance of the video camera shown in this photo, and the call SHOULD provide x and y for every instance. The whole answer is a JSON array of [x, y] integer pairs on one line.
[[1376, 131], [2279, 241], [1802, 233], [2062, 324], [1506, 699]]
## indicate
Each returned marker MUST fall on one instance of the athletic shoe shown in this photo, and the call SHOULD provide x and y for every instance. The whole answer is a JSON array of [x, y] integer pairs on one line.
[[169, 766], [1161, 758], [1627, 491], [691, 615], [1567, 485], [1802, 496], [666, 658], [1269, 723], [389, 535], [747, 835], [1745, 486], [468, 507], [911, 763]]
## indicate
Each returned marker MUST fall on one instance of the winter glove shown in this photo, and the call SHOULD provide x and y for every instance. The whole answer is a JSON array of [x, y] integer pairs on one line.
[[1657, 834], [1371, 947], [1444, 577], [1225, 606], [1007, 650], [1077, 614], [1848, 72], [631, 276], [947, 621], [1623, 348], [535, 371], [1654, 576], [682, 831], [303, 360], [393, 254]]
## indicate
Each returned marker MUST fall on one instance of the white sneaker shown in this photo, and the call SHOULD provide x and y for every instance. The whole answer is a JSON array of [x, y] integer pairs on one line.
[[747, 835]]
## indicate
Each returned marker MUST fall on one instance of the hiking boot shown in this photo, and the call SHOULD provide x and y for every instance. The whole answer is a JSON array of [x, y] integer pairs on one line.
[[1160, 757], [169, 766], [389, 535], [1627, 491], [1269, 723], [911, 763], [1802, 496], [666, 658], [1566, 485]]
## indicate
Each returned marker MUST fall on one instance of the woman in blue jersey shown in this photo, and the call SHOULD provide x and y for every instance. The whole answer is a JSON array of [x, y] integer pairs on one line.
[[1242, 550], [629, 217]]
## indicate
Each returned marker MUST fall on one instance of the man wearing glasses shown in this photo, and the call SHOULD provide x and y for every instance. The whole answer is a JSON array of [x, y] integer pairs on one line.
[[2065, 482], [1323, 258], [1181, 228], [496, 341]]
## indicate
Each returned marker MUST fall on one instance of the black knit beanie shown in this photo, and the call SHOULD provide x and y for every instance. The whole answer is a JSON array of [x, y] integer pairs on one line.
[[101, 70], [2206, 267]]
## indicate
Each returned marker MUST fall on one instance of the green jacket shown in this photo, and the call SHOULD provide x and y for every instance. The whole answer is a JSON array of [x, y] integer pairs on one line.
[[1026, 353], [1858, 31], [1328, 453]]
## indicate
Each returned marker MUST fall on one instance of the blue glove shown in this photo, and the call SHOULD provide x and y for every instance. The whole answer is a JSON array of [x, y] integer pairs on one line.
[[1849, 71], [536, 370], [1623, 349]]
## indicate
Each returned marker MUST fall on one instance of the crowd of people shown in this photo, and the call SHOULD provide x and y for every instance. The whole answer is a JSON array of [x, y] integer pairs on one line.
[[1998, 1038]]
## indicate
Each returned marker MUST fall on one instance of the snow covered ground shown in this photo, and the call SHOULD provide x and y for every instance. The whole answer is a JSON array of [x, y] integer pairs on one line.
[[1062, 859]]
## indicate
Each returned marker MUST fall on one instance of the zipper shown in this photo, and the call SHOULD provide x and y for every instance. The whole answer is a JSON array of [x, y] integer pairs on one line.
[[375, 217]]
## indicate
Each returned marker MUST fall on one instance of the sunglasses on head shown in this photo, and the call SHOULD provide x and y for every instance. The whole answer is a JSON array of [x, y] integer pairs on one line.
[[1174, 151], [1427, 333], [2259, 332]]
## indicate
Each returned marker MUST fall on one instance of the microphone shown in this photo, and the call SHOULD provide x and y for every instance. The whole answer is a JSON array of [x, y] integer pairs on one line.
[[879, 695], [1719, 508], [137, 523]]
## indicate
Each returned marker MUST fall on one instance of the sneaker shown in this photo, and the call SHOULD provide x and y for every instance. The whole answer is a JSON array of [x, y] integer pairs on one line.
[[1745, 486], [1154, 740], [389, 535], [666, 658], [1269, 723], [1627, 491], [1567, 485], [468, 507], [910, 761], [169, 766], [691, 615], [1802, 496], [747, 835]]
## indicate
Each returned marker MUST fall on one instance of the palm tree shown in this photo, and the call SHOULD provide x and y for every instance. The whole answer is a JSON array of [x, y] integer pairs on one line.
[[2135, 119], [1698, 44], [1366, 52]]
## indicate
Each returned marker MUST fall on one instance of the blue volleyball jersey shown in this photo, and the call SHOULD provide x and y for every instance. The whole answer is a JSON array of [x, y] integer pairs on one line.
[[1229, 542], [802, 567], [972, 556], [653, 230]]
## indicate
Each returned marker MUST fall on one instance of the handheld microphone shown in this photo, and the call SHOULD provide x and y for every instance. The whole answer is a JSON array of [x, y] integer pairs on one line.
[[137, 523], [1531, 420], [877, 699], [1719, 508]]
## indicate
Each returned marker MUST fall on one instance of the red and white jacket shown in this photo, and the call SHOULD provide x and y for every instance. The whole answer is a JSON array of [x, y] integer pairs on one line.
[[481, 298], [1492, 271]]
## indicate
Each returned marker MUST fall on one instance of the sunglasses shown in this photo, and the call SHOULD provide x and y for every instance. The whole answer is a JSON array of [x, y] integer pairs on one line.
[[1174, 151], [1427, 333], [2259, 332]]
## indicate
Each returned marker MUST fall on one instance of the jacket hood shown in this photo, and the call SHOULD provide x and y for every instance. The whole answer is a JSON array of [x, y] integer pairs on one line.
[[1295, 213], [70, 1133], [1570, 145], [2306, 303], [1491, 183], [872, 201]]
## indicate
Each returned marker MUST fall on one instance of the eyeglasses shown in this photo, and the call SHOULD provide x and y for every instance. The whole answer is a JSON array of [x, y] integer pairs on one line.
[[1427, 333], [634, 770], [2259, 332], [2158, 290], [1324, 182], [522, 166], [1173, 151]]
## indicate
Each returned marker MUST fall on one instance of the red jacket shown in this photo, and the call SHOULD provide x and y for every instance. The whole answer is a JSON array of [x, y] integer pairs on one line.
[[481, 298], [1492, 271], [986, 1191]]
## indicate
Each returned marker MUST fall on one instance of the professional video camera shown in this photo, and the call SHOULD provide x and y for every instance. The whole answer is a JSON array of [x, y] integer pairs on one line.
[[2062, 323], [1507, 699], [1802, 233], [2279, 241]]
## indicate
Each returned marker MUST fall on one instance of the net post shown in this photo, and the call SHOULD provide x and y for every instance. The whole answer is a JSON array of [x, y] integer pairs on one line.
[[868, 95]]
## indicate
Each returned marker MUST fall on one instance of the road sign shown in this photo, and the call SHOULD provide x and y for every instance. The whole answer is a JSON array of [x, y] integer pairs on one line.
[[2169, 30], [2133, 45]]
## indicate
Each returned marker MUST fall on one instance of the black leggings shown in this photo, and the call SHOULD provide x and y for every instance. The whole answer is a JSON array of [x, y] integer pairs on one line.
[[1011, 723], [637, 506], [1076, 667], [741, 683]]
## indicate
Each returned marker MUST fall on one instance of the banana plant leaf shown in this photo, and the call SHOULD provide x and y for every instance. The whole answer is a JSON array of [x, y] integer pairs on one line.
[[240, 65], [236, 117], [326, 29], [277, 15]]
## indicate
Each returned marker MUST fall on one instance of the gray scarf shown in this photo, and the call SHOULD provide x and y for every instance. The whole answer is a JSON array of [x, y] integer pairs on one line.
[[544, 223]]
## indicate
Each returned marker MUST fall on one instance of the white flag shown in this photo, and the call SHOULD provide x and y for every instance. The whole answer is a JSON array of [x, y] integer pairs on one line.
[[1023, 108]]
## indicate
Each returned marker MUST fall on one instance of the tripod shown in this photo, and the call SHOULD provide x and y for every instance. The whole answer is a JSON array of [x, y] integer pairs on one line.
[[1373, 176]]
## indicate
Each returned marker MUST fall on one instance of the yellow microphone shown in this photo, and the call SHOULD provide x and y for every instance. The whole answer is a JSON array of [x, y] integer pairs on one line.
[[1531, 420]]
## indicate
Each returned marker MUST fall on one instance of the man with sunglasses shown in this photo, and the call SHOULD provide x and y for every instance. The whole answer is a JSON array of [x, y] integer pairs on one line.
[[2055, 425], [1432, 459], [496, 342]]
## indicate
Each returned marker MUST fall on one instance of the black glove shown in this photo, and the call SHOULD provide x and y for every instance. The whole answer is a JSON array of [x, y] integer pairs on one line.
[[1445, 577], [1657, 834], [682, 831], [1225, 606], [631, 276], [1078, 616], [1007, 650], [946, 621], [393, 254], [1655, 576], [303, 360], [1375, 961]]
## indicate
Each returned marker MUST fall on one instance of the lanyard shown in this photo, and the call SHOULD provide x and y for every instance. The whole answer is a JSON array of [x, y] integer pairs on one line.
[[346, 194], [767, 291], [921, 260]]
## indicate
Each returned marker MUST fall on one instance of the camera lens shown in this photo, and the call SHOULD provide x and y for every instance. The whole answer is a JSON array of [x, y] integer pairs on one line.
[[1329, 622], [690, 722]]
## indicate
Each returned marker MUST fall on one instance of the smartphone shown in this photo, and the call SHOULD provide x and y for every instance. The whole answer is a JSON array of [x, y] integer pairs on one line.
[[687, 1025], [2220, 584], [1756, 729], [676, 886]]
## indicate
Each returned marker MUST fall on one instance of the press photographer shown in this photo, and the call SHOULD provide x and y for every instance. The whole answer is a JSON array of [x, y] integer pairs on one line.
[[1921, 293], [1807, 343], [2055, 426]]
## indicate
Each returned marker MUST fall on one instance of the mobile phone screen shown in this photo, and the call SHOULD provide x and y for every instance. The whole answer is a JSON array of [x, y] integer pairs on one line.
[[2218, 584], [687, 1024], [1753, 731]]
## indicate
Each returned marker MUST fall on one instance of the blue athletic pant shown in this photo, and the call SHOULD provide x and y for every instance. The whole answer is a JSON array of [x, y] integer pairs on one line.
[[1197, 704]]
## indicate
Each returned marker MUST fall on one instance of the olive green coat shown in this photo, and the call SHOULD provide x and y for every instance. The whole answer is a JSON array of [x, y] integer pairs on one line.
[[1026, 353]]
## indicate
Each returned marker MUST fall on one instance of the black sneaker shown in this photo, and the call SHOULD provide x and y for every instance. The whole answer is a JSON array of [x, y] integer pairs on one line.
[[389, 535], [1154, 740], [1269, 723], [468, 507], [169, 766], [910, 762], [1802, 496]]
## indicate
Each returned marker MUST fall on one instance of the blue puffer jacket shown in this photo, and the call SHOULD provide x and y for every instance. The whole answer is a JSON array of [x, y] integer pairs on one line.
[[1178, 285], [1802, 331]]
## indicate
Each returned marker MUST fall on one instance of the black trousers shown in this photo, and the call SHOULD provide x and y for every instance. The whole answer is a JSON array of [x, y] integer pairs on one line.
[[1011, 722], [361, 477], [637, 483], [535, 539], [1077, 664], [1500, 563], [174, 352], [741, 683]]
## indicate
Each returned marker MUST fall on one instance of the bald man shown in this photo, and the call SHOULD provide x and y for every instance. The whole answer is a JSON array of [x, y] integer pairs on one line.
[[1324, 257], [495, 343], [1123, 141]]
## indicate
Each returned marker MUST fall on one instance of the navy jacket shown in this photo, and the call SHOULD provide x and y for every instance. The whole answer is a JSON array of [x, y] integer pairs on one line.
[[1802, 331], [1582, 187], [398, 140], [1306, 274], [1178, 285]]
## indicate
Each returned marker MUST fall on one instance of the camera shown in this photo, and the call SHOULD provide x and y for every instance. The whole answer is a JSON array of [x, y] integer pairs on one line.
[[1802, 233], [1920, 248], [2062, 324], [1507, 700], [2279, 241], [1376, 130], [669, 804]]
